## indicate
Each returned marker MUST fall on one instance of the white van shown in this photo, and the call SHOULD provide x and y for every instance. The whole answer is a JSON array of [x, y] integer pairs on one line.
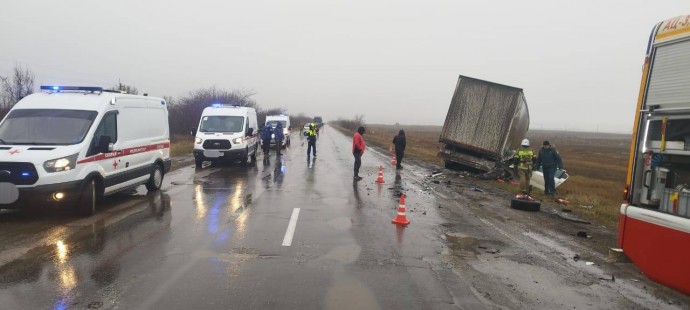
[[227, 133], [75, 145], [284, 121]]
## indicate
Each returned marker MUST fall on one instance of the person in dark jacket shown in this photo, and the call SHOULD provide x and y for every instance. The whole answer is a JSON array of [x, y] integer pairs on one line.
[[358, 147], [279, 136], [549, 160], [266, 133], [400, 143]]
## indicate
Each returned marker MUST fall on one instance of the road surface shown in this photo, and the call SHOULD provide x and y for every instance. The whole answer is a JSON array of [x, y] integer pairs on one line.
[[297, 234]]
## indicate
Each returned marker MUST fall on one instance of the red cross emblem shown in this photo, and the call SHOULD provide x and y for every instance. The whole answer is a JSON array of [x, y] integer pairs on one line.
[[114, 164], [12, 152]]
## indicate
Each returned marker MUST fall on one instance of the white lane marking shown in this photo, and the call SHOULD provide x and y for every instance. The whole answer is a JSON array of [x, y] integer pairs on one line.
[[287, 241]]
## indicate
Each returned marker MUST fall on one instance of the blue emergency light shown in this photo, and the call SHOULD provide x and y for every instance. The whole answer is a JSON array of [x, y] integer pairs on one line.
[[26, 174], [58, 88]]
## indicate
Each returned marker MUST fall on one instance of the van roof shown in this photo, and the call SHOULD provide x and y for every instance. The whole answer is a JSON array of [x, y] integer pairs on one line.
[[228, 110], [77, 101]]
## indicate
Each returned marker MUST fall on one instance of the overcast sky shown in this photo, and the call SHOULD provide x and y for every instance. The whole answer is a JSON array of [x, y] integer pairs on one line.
[[579, 62]]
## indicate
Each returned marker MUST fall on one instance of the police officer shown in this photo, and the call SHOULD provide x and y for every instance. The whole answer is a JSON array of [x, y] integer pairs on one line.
[[279, 136], [266, 133], [525, 159], [549, 160], [311, 140]]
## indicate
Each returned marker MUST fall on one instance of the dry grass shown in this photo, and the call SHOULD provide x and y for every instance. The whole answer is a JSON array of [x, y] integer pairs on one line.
[[596, 162], [181, 145]]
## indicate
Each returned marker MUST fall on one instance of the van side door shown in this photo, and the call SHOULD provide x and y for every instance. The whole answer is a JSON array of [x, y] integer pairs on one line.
[[108, 161]]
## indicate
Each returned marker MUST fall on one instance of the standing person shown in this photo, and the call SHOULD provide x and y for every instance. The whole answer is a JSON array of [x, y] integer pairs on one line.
[[525, 158], [278, 133], [400, 143], [549, 160], [358, 147], [311, 141], [266, 133]]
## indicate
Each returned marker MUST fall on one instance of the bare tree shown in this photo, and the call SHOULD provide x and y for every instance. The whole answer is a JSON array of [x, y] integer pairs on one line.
[[184, 113], [127, 89], [16, 87]]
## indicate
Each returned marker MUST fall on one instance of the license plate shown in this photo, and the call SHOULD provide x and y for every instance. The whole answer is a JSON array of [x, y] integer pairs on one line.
[[8, 193], [213, 154]]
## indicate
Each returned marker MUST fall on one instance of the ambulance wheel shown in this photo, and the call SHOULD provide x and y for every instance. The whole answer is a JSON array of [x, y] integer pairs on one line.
[[156, 179], [253, 158], [245, 159], [525, 205], [86, 205]]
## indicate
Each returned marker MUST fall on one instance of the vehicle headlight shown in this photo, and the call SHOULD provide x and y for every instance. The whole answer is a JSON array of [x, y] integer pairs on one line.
[[237, 140], [197, 140], [61, 164]]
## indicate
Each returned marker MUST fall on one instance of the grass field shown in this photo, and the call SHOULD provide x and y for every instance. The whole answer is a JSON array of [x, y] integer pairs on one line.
[[181, 145], [596, 162]]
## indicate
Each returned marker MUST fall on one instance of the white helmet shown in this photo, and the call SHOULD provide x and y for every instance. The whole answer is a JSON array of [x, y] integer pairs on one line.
[[525, 142]]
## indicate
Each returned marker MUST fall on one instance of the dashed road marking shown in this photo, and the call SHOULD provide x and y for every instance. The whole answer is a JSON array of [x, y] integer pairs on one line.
[[290, 232]]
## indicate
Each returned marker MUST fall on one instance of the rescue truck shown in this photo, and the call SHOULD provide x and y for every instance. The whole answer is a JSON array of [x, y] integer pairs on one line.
[[654, 228]]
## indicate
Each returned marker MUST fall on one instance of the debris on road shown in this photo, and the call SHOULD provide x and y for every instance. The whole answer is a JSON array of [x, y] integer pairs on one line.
[[436, 182], [477, 189], [572, 219], [576, 257], [613, 278], [589, 263], [562, 201], [583, 234]]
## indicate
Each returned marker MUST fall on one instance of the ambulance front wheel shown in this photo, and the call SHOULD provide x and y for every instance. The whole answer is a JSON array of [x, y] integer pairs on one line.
[[86, 205]]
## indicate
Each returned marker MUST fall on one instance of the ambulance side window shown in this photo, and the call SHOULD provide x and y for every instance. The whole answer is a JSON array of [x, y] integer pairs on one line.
[[107, 127]]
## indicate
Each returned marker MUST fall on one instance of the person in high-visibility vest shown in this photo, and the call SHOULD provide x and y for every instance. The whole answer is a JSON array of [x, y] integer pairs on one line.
[[311, 141], [525, 158]]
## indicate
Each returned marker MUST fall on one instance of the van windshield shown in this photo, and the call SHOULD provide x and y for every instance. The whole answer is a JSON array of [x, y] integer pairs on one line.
[[46, 126], [274, 123], [222, 124]]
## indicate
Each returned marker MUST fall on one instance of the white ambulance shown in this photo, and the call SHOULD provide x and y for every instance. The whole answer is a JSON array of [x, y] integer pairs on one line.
[[226, 133], [75, 145]]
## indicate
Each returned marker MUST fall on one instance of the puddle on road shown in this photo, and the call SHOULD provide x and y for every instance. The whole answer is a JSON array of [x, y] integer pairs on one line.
[[348, 293], [341, 223], [346, 254]]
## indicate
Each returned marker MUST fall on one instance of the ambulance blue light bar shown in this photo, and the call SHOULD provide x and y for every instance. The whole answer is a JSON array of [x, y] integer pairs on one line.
[[57, 88]]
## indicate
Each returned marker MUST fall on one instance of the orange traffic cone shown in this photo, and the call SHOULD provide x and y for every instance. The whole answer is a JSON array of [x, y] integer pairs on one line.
[[401, 219], [394, 162], [380, 178]]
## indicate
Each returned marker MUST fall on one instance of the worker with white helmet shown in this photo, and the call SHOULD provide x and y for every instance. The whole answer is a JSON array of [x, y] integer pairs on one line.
[[525, 158]]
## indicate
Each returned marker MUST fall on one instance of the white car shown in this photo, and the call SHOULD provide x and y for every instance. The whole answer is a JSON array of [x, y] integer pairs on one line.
[[75, 145]]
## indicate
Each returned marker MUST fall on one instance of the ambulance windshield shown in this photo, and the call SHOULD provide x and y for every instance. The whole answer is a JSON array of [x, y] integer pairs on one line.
[[46, 127]]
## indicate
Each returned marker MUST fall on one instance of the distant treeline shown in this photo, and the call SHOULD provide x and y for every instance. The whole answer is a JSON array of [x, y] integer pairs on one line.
[[184, 112]]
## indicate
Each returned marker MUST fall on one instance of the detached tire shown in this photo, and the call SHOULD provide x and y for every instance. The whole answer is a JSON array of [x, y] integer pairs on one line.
[[156, 179], [525, 205], [86, 205]]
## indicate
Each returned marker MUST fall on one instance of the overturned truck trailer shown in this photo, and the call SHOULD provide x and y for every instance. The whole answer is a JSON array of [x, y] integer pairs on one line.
[[486, 121]]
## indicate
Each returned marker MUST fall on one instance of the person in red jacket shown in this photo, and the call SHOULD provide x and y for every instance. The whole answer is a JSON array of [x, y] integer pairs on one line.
[[358, 147]]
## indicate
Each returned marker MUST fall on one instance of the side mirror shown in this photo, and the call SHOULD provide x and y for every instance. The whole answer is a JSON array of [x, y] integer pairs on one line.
[[105, 144], [250, 131], [193, 131]]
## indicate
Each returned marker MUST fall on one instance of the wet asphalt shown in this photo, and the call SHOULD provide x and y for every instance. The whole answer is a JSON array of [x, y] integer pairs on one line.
[[215, 238]]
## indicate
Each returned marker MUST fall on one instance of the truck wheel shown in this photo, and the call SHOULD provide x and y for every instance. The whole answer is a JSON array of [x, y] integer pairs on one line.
[[86, 204], [525, 205], [156, 179]]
